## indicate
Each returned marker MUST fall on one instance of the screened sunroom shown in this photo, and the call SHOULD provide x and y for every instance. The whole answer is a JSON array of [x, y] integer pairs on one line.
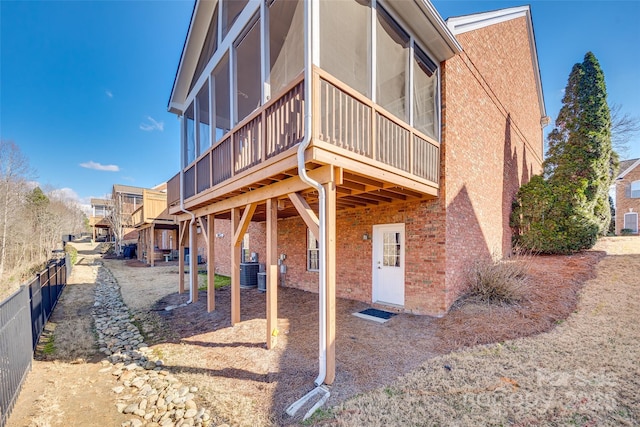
[[374, 76]]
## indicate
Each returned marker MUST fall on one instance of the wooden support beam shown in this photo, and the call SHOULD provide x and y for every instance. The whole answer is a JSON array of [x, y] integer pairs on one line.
[[272, 272], [244, 223], [235, 269], [203, 227], [211, 263], [152, 245], [306, 213], [181, 226], [330, 260], [289, 185], [193, 261]]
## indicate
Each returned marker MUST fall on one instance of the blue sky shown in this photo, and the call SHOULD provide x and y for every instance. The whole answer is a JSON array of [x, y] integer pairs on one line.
[[84, 85]]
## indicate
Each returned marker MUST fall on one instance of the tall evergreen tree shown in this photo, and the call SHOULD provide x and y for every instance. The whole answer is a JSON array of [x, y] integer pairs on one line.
[[580, 158], [566, 211]]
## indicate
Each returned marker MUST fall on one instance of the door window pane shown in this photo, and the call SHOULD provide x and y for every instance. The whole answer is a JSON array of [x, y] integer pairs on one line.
[[345, 51], [391, 64], [222, 108], [391, 249], [248, 73], [202, 103], [425, 99], [286, 43], [231, 9], [190, 147]]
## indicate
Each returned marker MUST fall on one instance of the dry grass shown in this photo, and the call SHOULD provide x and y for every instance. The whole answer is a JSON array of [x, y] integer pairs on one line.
[[581, 373], [499, 282], [410, 370], [65, 386]]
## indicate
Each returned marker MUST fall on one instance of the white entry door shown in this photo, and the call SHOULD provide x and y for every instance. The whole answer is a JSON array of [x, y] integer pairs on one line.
[[388, 264]]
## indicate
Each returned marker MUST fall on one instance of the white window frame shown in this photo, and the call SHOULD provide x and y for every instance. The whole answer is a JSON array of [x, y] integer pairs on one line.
[[311, 238], [627, 222], [634, 192]]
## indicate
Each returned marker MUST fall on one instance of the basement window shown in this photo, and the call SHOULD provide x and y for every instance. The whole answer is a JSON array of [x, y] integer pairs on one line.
[[313, 252]]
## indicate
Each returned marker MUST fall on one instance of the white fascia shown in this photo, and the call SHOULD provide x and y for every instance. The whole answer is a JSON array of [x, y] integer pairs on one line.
[[629, 169], [462, 24]]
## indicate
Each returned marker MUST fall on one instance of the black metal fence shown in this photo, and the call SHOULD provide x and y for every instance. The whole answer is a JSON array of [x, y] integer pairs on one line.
[[22, 319]]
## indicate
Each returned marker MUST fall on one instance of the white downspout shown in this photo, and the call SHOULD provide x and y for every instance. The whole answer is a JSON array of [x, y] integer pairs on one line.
[[302, 172], [192, 267]]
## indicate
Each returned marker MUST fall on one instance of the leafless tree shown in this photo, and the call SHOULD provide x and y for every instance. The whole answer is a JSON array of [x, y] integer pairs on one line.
[[14, 172], [623, 129], [116, 219]]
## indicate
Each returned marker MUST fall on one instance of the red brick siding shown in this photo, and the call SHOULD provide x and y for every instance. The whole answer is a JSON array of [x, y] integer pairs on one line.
[[492, 142], [623, 203], [257, 243], [424, 257]]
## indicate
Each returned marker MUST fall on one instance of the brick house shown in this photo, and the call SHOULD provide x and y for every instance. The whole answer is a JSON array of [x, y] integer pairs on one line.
[[628, 196], [417, 132]]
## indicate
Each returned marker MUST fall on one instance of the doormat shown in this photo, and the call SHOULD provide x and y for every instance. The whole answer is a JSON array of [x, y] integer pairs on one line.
[[374, 314]]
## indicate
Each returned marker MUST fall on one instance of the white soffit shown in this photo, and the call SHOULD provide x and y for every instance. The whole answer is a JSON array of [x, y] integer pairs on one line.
[[463, 24], [198, 27], [428, 26]]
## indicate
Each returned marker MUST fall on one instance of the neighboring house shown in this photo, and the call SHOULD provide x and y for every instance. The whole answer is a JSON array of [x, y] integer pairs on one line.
[[628, 196], [157, 230], [420, 133], [126, 199], [100, 225]]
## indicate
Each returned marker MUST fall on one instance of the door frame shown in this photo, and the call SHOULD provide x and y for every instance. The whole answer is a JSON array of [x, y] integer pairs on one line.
[[376, 242]]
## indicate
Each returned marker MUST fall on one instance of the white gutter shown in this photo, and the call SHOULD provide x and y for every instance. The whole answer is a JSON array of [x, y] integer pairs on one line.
[[192, 264], [302, 172]]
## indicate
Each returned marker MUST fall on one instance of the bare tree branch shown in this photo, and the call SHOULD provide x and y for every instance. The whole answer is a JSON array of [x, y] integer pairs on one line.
[[623, 129]]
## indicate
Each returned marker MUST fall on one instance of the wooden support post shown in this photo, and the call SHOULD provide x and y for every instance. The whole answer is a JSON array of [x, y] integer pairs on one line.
[[152, 245], [181, 233], [193, 261], [235, 269], [272, 272], [330, 260], [211, 264], [238, 228]]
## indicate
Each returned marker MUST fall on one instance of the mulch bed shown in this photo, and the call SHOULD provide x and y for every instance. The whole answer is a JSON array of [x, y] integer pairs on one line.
[[368, 354]]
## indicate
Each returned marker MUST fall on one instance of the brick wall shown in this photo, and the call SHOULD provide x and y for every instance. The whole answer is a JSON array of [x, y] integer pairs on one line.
[[257, 243], [623, 203], [424, 256], [492, 142]]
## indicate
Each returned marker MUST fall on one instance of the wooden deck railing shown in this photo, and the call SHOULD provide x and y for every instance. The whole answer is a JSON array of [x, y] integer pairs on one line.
[[349, 120], [342, 117], [137, 217]]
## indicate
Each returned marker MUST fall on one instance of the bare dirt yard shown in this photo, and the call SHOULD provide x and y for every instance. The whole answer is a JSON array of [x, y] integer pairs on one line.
[[567, 355]]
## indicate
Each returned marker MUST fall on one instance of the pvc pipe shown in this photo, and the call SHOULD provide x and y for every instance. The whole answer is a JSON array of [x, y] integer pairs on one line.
[[193, 218], [302, 172]]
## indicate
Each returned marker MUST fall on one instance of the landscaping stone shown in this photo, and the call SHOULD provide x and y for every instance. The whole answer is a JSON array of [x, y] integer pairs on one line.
[[147, 389]]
